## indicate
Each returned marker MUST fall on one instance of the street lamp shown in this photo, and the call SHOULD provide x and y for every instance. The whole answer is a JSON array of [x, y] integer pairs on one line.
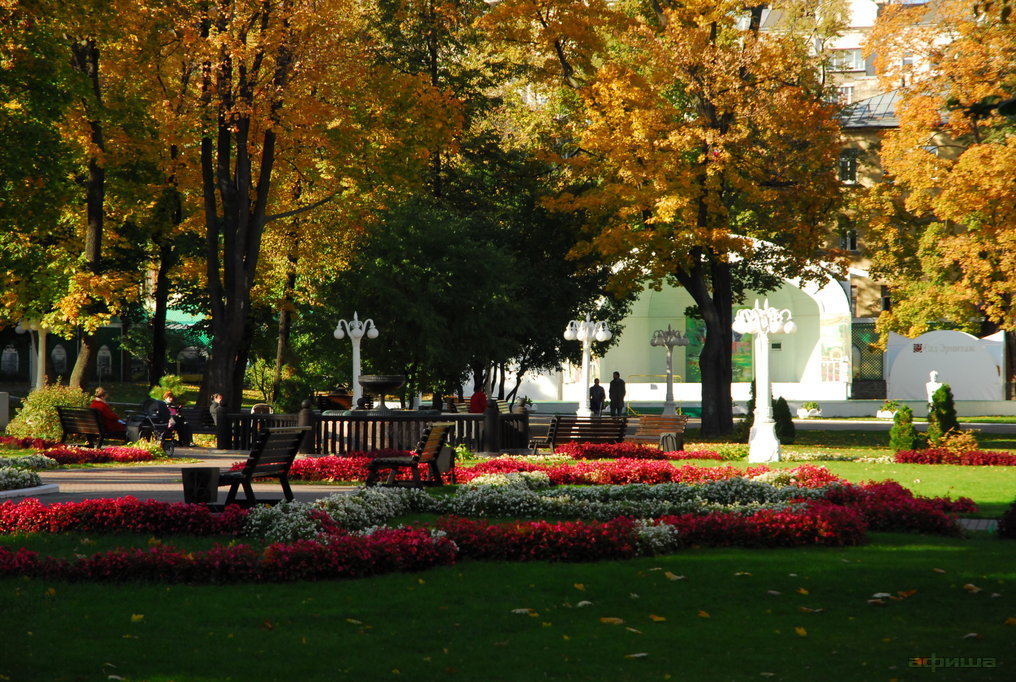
[[760, 322], [356, 330], [669, 339], [585, 332]]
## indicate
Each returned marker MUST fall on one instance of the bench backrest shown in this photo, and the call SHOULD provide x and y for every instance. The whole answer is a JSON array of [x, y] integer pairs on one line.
[[656, 424], [274, 451], [586, 429], [83, 420], [433, 439]]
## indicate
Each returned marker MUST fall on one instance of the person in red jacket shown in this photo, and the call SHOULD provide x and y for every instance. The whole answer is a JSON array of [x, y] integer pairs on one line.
[[110, 419], [478, 401]]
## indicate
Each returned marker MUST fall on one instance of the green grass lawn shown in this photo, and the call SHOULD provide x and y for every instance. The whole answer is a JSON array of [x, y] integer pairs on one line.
[[718, 614]]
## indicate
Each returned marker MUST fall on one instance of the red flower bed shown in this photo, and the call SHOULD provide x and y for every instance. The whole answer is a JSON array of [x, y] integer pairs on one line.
[[943, 456], [70, 454], [119, 515], [27, 443], [818, 523], [342, 556], [888, 506], [351, 467], [627, 451], [541, 540]]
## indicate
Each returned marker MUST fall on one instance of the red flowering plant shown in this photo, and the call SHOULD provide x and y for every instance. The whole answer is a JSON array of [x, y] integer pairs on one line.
[[888, 506], [71, 454], [627, 451], [944, 456], [26, 443]]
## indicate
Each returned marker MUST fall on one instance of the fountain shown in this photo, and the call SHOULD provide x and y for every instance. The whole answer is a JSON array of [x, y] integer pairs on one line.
[[379, 385]]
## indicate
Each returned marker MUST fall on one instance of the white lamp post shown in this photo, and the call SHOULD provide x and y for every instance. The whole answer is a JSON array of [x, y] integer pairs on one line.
[[356, 330], [40, 354], [763, 445], [669, 339], [585, 332]]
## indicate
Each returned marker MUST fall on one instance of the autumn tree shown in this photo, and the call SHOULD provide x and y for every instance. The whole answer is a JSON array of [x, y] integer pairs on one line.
[[944, 229], [700, 149]]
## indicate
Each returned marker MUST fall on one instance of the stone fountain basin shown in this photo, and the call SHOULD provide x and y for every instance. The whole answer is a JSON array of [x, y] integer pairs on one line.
[[381, 384]]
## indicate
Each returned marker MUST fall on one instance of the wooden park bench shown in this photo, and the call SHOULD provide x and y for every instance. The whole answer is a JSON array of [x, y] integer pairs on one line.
[[667, 431], [428, 454], [199, 419], [87, 422], [271, 457], [570, 428]]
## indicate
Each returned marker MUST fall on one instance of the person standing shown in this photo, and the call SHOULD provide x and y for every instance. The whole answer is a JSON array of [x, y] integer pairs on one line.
[[617, 393], [596, 398], [213, 408]]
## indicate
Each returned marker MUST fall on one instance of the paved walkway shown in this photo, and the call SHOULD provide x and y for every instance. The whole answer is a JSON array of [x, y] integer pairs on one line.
[[162, 481]]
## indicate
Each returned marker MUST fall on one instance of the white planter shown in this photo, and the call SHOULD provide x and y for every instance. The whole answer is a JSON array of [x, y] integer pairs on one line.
[[885, 414], [804, 414]]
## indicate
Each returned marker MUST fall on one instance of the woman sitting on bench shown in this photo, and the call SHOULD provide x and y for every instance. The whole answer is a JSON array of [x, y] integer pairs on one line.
[[110, 420]]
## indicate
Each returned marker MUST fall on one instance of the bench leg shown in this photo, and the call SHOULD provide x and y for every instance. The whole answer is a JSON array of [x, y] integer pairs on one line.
[[286, 490], [231, 495]]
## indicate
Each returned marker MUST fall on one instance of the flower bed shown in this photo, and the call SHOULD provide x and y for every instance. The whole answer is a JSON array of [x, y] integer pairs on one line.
[[943, 456], [627, 451], [70, 454]]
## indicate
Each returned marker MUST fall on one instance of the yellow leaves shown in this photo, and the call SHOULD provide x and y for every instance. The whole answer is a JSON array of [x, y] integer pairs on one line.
[[673, 576], [971, 588], [1010, 621], [800, 631], [801, 590], [703, 614], [137, 617], [611, 620], [660, 619], [580, 587]]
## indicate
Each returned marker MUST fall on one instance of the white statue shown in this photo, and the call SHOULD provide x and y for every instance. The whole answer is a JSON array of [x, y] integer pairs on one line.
[[933, 385]]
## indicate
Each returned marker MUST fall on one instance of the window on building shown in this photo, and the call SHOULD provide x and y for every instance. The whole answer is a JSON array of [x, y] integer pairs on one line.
[[845, 94], [848, 166], [9, 360], [846, 60], [848, 240], [887, 301], [58, 357]]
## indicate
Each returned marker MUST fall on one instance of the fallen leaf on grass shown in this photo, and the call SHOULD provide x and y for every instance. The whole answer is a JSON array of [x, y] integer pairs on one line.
[[1010, 621], [580, 587], [631, 629], [610, 620], [354, 621], [584, 603], [775, 593], [971, 635], [876, 602], [638, 655], [137, 617], [806, 609], [801, 590], [906, 593], [523, 611], [801, 632], [881, 595], [673, 576], [939, 570], [971, 588], [742, 573], [659, 619], [703, 614]]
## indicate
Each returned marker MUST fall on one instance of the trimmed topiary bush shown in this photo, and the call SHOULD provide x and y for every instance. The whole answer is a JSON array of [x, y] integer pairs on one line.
[[38, 418], [169, 382], [942, 415], [786, 432], [903, 435]]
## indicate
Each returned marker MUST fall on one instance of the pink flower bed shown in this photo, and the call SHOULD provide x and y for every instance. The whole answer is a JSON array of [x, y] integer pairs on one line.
[[943, 456], [627, 451], [341, 556]]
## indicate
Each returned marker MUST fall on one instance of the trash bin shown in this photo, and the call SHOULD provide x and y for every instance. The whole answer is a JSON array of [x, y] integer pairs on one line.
[[200, 484]]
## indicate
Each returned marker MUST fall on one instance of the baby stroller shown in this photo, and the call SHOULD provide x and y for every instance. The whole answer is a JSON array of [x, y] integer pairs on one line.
[[152, 421]]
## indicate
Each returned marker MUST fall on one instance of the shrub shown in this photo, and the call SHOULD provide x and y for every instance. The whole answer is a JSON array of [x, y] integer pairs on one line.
[[786, 432], [942, 416], [809, 405], [903, 435], [959, 441], [38, 417], [1007, 523], [15, 479], [169, 382], [889, 406]]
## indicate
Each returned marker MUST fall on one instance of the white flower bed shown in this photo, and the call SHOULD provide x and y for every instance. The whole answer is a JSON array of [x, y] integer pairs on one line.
[[15, 479], [33, 462]]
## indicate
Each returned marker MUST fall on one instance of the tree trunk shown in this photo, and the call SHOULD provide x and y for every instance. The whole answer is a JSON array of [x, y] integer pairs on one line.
[[157, 361], [712, 292], [286, 313], [85, 58]]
